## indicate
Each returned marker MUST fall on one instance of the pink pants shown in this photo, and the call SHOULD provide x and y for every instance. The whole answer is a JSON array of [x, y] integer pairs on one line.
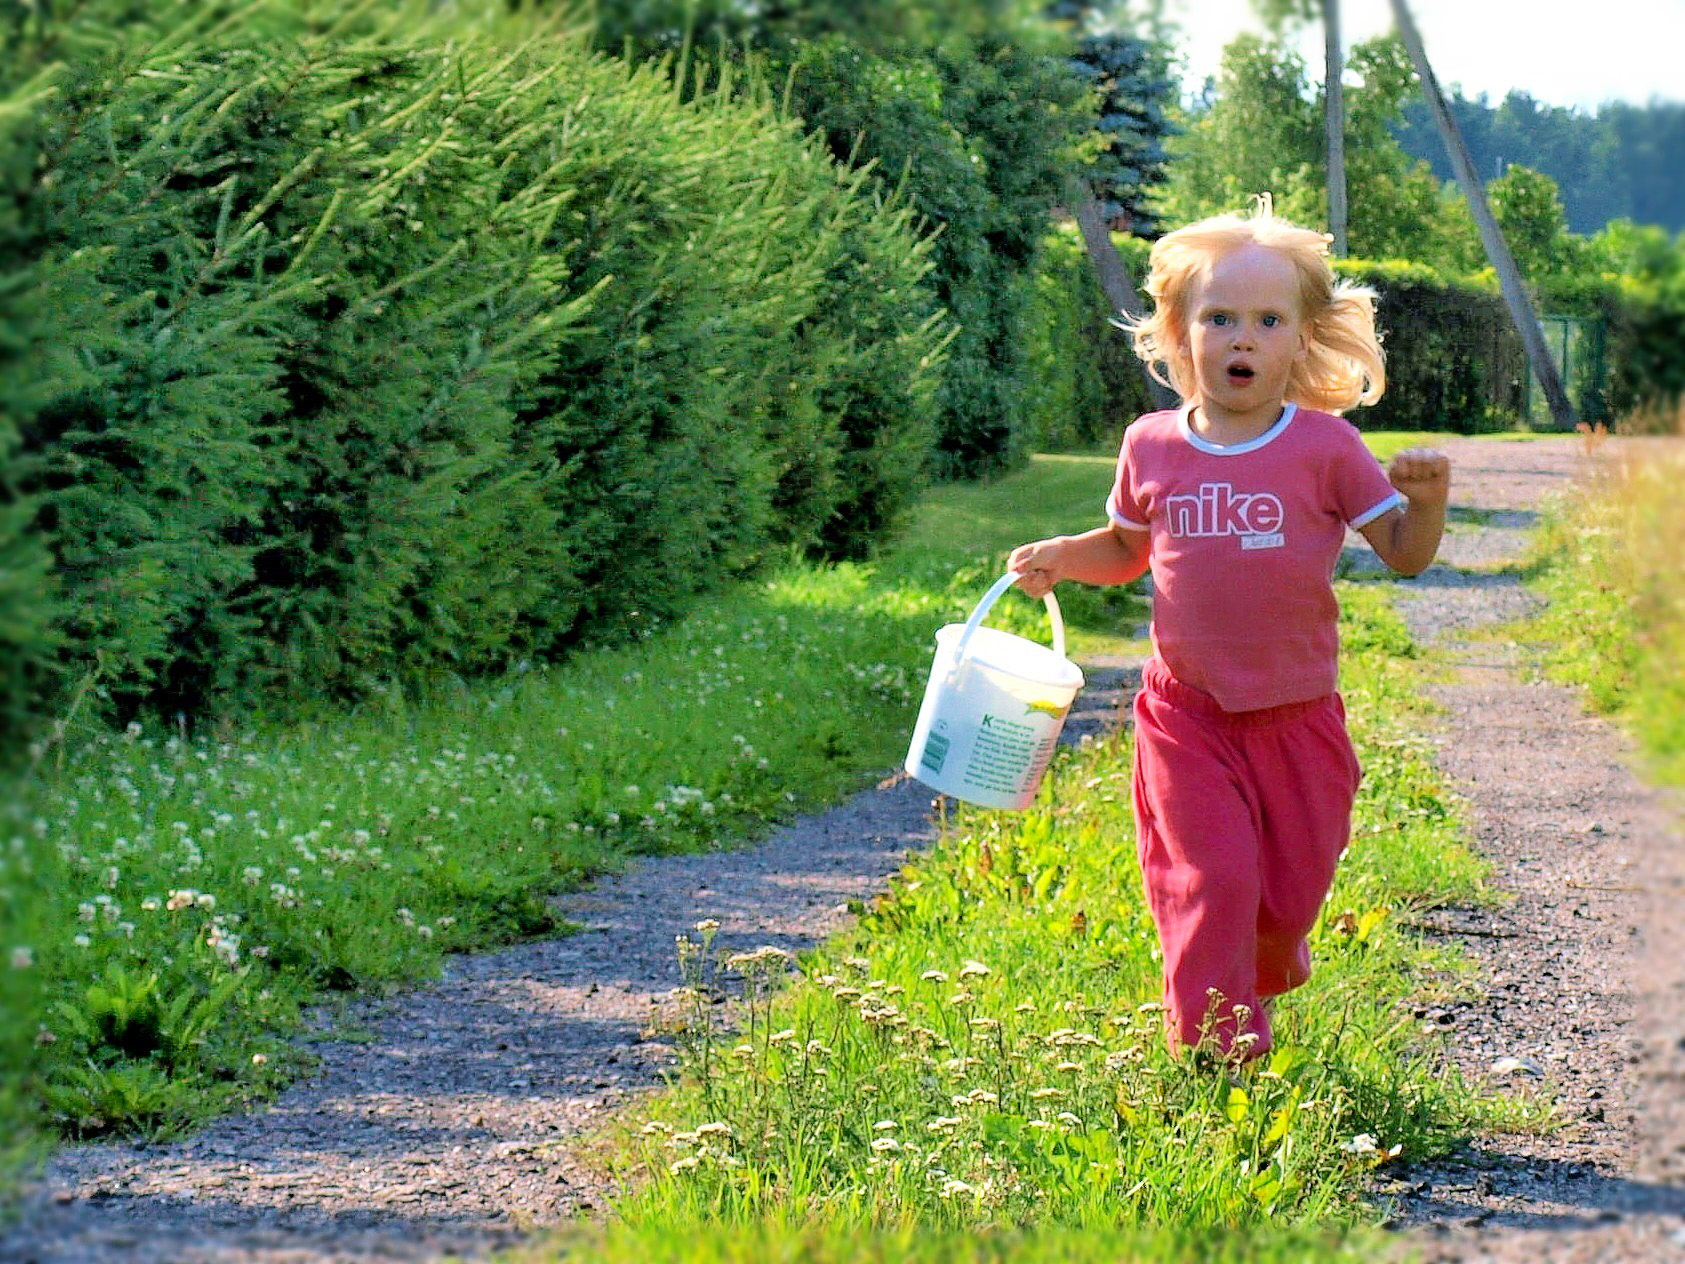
[[1241, 818]]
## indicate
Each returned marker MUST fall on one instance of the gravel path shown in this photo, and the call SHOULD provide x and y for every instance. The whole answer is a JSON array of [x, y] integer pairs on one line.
[[1583, 967], [447, 1130]]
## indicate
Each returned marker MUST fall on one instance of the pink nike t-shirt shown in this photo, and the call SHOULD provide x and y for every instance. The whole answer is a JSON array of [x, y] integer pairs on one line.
[[1244, 544]]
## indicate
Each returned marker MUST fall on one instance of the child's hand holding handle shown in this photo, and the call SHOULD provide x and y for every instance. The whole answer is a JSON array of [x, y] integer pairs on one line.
[[1105, 555], [1038, 565]]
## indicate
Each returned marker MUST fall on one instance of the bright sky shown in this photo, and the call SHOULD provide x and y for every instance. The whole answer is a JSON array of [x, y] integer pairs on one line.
[[1563, 52]]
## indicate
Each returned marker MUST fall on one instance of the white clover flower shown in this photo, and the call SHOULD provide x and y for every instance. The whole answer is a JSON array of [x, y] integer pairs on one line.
[[974, 969], [81, 941], [885, 1125], [944, 1123], [1045, 1094], [180, 900], [85, 912], [886, 1145], [707, 926], [1363, 1143], [685, 1164], [206, 900], [953, 1188], [934, 976], [23, 958], [1065, 1117]]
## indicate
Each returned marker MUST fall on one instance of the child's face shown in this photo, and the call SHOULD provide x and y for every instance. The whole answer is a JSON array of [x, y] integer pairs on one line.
[[1244, 332]]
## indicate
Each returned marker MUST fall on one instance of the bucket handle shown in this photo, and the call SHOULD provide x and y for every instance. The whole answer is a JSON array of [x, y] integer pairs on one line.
[[993, 595]]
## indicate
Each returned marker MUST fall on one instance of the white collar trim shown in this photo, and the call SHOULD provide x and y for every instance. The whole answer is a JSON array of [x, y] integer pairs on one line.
[[1233, 449]]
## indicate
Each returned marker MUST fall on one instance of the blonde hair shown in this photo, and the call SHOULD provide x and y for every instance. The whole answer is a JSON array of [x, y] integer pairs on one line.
[[1343, 364]]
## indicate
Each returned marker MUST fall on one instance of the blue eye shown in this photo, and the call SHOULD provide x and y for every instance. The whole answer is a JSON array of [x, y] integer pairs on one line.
[[1271, 321], [1219, 318]]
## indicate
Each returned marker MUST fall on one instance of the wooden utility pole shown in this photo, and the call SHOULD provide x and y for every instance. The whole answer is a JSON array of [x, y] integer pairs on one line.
[[1115, 282], [1497, 249], [1334, 123]]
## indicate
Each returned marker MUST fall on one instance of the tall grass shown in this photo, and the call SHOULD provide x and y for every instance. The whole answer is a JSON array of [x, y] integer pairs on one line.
[[1607, 562]]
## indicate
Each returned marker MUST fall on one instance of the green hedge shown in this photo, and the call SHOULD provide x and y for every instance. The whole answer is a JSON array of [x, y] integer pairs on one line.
[[1637, 357], [1454, 362], [363, 358], [979, 136], [1085, 380]]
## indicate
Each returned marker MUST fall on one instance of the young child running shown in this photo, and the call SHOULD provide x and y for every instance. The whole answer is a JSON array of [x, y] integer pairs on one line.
[[1239, 502]]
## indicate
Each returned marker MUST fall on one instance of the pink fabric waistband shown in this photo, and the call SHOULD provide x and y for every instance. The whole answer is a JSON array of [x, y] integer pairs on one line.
[[1156, 678]]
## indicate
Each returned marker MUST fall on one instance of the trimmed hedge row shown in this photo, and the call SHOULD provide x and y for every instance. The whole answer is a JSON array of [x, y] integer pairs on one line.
[[1454, 362], [358, 359]]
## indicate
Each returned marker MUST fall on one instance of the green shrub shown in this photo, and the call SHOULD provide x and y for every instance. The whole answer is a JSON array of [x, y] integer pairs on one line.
[[1637, 360], [978, 136], [1454, 361], [367, 357], [1085, 381]]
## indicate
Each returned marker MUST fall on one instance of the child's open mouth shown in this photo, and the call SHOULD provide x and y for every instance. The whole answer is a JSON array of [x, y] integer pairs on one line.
[[1241, 374]]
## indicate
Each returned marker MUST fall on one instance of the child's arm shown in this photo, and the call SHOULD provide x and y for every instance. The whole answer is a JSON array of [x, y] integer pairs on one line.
[[1105, 555], [1406, 540]]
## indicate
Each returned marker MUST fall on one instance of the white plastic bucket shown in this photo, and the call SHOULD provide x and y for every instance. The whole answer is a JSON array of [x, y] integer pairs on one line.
[[993, 708]]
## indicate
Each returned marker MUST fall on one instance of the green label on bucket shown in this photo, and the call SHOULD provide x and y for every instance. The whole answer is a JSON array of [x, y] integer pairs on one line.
[[935, 751]]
